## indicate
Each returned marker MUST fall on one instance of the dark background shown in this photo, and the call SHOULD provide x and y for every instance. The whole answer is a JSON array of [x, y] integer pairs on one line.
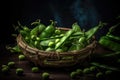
[[86, 12], [27, 11]]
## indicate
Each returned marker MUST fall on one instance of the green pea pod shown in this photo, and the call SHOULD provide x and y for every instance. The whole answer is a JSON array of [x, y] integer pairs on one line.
[[49, 30], [64, 38], [46, 42], [76, 27], [93, 30], [106, 42], [105, 66], [38, 29], [23, 33], [113, 38]]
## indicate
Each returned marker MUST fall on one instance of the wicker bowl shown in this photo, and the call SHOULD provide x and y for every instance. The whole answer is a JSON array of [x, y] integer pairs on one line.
[[54, 59]]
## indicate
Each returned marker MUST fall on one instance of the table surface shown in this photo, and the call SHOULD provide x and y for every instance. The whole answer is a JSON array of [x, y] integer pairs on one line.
[[55, 73]]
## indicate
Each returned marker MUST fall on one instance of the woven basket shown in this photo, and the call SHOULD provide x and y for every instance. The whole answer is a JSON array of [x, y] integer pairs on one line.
[[54, 59]]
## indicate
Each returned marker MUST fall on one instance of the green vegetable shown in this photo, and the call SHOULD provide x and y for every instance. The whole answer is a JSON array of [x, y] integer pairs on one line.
[[64, 39], [38, 29], [45, 76], [5, 70], [76, 27], [79, 71], [93, 68], [14, 48], [105, 66], [113, 38], [93, 30], [23, 33], [57, 40], [11, 64], [113, 54], [46, 42], [51, 44], [58, 31], [86, 71], [21, 57], [35, 69], [48, 31], [25, 28], [106, 42], [73, 74], [50, 49], [19, 71], [99, 75], [108, 72], [59, 50], [4, 66]]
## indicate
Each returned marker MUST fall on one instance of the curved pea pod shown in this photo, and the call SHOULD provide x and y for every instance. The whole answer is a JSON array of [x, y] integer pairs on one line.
[[48, 31], [93, 30], [106, 42], [38, 29], [105, 66], [64, 38], [113, 38]]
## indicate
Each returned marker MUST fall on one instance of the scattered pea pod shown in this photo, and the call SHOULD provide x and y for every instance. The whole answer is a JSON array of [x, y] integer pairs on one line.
[[104, 66], [106, 42]]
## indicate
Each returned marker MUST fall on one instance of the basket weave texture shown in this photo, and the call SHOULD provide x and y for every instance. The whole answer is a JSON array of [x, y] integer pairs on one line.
[[54, 59]]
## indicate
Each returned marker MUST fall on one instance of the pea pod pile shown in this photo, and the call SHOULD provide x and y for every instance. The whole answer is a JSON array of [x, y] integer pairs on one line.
[[52, 38]]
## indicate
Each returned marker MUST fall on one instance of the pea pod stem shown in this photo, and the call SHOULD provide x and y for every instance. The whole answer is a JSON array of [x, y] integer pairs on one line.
[[111, 29]]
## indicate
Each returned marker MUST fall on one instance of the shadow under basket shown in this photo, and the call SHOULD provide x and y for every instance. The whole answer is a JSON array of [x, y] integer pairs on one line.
[[54, 59]]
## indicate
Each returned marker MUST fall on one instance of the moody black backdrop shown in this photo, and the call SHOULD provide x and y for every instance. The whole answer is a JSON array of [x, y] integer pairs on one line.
[[86, 12]]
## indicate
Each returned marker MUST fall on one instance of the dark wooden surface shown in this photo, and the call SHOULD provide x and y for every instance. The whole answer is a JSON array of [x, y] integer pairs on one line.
[[55, 73]]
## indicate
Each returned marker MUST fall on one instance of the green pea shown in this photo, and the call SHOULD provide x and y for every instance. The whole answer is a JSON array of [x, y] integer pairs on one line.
[[108, 72], [57, 31], [57, 40], [21, 57], [99, 75], [45, 76], [51, 44], [5, 70], [86, 71], [35, 69], [73, 74], [79, 71], [59, 50], [11, 64], [50, 49], [93, 68]]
